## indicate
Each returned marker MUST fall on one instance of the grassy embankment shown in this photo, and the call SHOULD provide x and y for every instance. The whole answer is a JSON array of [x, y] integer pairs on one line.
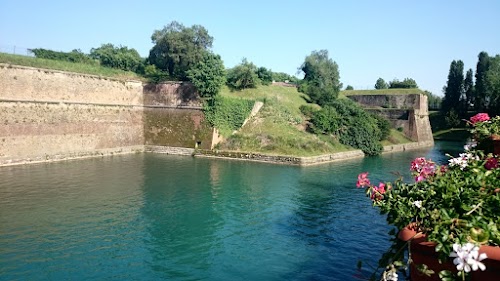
[[68, 66], [280, 127], [442, 131]]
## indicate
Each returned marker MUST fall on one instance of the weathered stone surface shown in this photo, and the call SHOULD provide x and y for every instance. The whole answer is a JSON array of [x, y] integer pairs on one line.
[[48, 115], [408, 112]]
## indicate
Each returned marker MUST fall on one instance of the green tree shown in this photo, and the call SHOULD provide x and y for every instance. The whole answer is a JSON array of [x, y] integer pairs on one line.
[[118, 57], [492, 85], [468, 90], [243, 76], [454, 87], [407, 83], [178, 48], [265, 75], [381, 84], [480, 89], [284, 77], [349, 88], [208, 75], [321, 78], [433, 101]]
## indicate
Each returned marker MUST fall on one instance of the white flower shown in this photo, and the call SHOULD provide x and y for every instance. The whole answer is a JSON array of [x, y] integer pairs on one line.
[[418, 203], [470, 146], [462, 160], [467, 257], [390, 276]]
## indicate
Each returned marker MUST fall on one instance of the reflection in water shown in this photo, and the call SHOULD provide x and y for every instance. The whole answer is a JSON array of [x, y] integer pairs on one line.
[[180, 218]]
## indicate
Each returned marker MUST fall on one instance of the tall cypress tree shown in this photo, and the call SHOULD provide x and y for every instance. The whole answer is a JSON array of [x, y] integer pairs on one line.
[[480, 90], [454, 87], [469, 90]]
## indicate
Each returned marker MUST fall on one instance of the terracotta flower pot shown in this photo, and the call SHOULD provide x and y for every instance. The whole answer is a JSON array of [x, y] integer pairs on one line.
[[496, 144], [423, 252]]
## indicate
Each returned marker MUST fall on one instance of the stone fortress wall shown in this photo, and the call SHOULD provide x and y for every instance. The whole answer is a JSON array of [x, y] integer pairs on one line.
[[48, 115], [51, 115], [406, 111]]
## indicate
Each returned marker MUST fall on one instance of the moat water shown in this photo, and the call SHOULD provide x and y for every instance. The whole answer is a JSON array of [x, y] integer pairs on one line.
[[161, 217]]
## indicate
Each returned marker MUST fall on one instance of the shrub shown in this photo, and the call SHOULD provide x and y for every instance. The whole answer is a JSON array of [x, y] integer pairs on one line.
[[227, 114], [351, 125], [308, 110]]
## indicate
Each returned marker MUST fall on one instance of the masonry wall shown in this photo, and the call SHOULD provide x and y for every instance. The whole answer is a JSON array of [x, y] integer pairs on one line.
[[173, 116], [49, 115], [409, 112]]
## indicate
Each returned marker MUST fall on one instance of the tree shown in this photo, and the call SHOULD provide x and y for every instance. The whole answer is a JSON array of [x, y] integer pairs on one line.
[[454, 87], [407, 83], [321, 78], [178, 48], [381, 84], [480, 89], [118, 57], [208, 75], [492, 85], [468, 90], [243, 76], [349, 88], [433, 101], [265, 75]]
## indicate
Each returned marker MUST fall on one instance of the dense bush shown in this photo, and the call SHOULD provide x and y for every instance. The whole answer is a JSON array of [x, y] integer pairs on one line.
[[407, 83], [73, 56], [308, 110], [118, 57], [227, 114], [351, 125], [243, 76], [208, 75]]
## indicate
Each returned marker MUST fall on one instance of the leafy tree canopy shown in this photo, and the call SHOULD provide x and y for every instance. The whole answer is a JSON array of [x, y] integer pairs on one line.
[[381, 84], [178, 48], [208, 75], [454, 87], [407, 83], [118, 57], [265, 75], [243, 76], [349, 87], [74, 56], [321, 78]]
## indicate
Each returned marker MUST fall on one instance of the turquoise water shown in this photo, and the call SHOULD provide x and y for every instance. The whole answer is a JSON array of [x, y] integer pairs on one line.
[[161, 217]]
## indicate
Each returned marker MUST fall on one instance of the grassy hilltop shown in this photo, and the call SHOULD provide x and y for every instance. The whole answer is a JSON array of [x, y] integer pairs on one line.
[[281, 128]]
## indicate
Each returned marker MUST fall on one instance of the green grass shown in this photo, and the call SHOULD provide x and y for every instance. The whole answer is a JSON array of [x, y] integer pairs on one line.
[[382, 92], [281, 129], [455, 134], [396, 137], [68, 66]]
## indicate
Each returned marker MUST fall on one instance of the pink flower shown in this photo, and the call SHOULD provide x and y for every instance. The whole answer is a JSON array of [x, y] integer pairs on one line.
[[422, 168], [377, 191], [491, 163], [480, 117], [363, 180]]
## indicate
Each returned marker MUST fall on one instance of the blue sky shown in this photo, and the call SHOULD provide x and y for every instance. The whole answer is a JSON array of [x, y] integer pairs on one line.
[[368, 39]]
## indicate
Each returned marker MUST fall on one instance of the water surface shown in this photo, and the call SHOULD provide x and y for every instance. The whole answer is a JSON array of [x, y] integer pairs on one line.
[[154, 217]]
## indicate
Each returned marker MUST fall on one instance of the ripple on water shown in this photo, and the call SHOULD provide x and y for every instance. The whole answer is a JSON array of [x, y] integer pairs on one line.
[[165, 217]]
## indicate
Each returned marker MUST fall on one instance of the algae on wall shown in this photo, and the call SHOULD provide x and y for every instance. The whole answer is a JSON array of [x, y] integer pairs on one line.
[[177, 127]]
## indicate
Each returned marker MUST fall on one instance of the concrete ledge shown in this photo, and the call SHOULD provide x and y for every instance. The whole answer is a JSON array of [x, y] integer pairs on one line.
[[72, 156], [169, 150], [279, 159], [407, 146]]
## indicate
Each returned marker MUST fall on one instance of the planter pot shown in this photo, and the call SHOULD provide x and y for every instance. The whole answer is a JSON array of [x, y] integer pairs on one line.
[[423, 252], [496, 144]]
